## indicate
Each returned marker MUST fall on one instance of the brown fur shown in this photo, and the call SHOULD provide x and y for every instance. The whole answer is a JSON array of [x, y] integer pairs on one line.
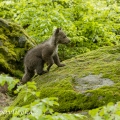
[[46, 52]]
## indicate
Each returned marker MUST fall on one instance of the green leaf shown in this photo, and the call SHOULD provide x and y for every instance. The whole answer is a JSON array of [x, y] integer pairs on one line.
[[15, 118], [93, 112], [36, 112], [25, 98], [31, 85], [37, 94]]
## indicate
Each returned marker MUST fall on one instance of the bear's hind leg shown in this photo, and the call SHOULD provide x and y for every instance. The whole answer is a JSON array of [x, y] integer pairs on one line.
[[27, 76], [39, 67]]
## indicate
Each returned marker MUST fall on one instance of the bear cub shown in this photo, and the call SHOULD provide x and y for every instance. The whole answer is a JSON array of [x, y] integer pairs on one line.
[[46, 52]]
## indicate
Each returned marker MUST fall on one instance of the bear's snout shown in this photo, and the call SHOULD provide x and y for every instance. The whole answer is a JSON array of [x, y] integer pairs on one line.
[[67, 41]]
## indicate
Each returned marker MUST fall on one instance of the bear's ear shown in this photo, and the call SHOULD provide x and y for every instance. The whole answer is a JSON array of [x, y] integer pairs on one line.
[[57, 31]]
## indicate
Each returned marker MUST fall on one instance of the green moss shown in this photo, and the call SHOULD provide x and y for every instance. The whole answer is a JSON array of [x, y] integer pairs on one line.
[[2, 37], [4, 66], [60, 82], [13, 42], [18, 73]]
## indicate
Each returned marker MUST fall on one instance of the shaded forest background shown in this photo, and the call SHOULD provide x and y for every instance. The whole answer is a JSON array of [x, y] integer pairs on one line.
[[89, 24]]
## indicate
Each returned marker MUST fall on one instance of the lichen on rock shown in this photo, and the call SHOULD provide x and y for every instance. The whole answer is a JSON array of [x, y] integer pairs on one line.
[[91, 82]]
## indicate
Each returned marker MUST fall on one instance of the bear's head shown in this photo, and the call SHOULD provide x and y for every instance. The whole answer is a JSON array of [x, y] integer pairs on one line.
[[60, 37]]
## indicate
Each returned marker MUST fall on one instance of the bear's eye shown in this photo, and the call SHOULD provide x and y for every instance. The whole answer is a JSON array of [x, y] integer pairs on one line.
[[64, 37]]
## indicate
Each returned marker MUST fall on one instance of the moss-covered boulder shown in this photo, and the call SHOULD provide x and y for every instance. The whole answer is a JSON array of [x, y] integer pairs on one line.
[[87, 81], [14, 43]]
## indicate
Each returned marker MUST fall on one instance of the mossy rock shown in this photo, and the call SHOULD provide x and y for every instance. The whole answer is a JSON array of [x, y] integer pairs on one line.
[[14, 43], [103, 63]]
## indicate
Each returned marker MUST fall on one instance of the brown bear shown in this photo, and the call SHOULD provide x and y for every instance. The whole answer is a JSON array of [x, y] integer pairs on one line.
[[46, 52]]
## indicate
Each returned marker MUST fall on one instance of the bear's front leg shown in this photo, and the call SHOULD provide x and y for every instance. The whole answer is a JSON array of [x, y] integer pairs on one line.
[[50, 62], [47, 56], [57, 61]]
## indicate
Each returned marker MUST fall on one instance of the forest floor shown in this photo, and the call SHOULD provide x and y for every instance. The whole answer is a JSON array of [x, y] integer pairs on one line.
[[83, 84], [5, 101], [87, 81]]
